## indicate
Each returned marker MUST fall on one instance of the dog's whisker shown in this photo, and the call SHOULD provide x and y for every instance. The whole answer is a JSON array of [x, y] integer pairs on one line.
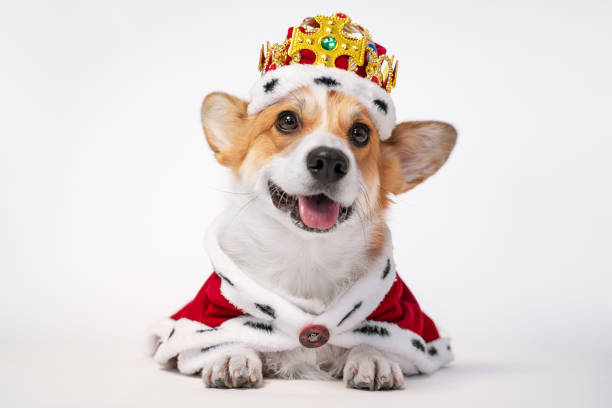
[[363, 229], [232, 192], [368, 207]]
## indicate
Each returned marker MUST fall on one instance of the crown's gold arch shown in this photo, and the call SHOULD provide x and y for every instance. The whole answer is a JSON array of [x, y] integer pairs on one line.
[[328, 42]]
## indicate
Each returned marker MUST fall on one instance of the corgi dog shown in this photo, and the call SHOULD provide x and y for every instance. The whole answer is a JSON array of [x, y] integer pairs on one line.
[[313, 172], [318, 181]]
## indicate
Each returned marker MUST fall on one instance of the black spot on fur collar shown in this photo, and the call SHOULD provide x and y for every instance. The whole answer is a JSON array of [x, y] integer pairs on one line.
[[205, 349], [418, 344], [371, 330], [357, 306], [225, 278], [266, 309], [259, 326], [206, 330], [387, 269], [270, 85], [327, 81], [381, 105]]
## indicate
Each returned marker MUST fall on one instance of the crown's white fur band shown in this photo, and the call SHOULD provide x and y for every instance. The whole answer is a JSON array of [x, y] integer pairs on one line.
[[276, 84]]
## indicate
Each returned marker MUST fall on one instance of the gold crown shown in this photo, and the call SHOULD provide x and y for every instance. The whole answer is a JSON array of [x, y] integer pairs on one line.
[[321, 40]]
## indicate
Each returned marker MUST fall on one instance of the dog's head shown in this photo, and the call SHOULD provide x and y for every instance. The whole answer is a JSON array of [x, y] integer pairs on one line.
[[315, 158]]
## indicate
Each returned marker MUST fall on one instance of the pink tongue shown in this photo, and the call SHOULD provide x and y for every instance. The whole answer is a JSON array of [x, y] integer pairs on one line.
[[318, 214]]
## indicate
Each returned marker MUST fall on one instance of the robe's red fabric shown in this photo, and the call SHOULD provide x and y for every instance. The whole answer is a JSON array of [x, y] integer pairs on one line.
[[399, 307], [209, 306]]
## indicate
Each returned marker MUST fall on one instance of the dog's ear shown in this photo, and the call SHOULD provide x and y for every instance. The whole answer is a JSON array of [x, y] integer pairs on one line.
[[224, 119], [415, 151]]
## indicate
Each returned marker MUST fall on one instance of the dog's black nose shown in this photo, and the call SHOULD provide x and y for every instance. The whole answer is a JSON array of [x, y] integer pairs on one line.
[[326, 164]]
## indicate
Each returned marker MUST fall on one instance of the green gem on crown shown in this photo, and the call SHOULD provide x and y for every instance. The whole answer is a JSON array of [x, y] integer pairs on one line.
[[328, 43]]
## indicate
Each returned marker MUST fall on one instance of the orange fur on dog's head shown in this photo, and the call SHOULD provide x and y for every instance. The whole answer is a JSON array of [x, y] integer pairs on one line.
[[236, 138], [248, 144]]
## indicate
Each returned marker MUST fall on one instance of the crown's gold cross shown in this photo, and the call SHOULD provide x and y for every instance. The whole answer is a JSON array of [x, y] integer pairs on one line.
[[328, 42]]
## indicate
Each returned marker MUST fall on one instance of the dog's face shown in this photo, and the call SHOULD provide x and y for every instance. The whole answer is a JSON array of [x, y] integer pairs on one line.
[[315, 159]]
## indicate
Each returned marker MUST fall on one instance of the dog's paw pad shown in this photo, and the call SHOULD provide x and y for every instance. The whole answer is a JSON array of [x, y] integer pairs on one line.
[[233, 370], [368, 369]]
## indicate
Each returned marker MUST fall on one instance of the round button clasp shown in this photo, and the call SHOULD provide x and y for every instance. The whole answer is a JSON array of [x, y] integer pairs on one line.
[[314, 336]]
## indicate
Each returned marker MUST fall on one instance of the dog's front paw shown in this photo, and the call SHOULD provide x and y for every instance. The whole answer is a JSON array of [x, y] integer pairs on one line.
[[366, 368], [233, 368]]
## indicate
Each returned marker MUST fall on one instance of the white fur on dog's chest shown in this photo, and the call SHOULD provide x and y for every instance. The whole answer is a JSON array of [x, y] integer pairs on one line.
[[310, 273]]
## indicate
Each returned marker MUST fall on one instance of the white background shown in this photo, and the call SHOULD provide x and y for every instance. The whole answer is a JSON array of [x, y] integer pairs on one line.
[[107, 187]]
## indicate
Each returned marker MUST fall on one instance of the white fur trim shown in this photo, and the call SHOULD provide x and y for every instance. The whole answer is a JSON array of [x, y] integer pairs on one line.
[[192, 342], [291, 77], [245, 293]]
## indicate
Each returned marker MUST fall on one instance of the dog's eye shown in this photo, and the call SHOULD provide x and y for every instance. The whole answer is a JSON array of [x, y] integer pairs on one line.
[[287, 122], [359, 134]]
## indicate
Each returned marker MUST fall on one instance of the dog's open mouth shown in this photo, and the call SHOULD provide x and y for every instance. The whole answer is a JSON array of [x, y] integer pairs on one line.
[[315, 213]]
